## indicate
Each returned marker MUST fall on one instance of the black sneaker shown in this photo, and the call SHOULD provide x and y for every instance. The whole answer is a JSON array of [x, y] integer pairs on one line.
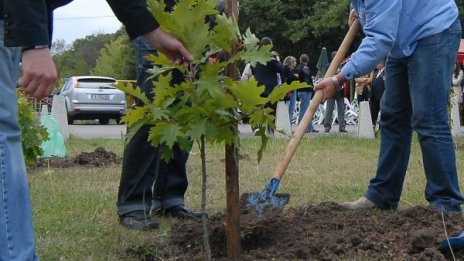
[[138, 220], [179, 212]]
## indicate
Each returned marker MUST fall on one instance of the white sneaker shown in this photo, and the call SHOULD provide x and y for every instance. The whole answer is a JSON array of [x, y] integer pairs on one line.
[[360, 203]]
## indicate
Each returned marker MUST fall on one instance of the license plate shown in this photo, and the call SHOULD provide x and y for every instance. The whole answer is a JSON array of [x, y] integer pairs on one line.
[[101, 97]]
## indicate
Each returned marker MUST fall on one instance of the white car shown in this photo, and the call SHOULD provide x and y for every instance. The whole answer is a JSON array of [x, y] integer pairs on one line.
[[93, 97]]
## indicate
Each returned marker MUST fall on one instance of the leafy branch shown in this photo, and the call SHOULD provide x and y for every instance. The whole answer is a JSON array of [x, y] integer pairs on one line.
[[208, 103]]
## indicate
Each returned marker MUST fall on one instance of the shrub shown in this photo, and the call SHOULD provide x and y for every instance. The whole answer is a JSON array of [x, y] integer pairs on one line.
[[33, 134]]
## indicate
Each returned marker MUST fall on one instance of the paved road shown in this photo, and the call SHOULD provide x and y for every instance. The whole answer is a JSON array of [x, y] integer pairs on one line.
[[94, 131], [112, 131]]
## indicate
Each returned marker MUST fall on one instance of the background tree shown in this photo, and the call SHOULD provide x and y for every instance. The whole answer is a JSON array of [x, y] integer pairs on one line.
[[58, 47], [69, 64], [116, 59], [79, 57], [297, 26], [89, 47]]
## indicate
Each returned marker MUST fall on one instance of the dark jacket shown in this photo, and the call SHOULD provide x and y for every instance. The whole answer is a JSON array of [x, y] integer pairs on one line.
[[287, 75], [267, 75], [304, 75], [29, 22]]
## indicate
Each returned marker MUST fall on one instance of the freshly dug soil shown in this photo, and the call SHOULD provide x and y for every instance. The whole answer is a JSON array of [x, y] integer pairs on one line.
[[320, 232], [98, 158]]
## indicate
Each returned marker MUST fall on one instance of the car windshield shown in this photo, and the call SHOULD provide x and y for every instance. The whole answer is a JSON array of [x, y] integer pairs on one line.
[[96, 83]]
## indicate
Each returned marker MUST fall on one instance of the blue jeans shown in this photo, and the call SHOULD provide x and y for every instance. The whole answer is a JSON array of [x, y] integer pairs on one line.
[[291, 107], [416, 98], [305, 98], [16, 232]]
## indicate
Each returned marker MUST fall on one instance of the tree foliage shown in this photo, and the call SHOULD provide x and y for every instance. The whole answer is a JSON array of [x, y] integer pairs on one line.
[[295, 26], [58, 47], [32, 133], [207, 103], [116, 59], [285, 22], [80, 58], [329, 15]]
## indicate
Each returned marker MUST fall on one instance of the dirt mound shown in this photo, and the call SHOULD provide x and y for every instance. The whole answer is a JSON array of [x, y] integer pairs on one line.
[[323, 232], [98, 158]]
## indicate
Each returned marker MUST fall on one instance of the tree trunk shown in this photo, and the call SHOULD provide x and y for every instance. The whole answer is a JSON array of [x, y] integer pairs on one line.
[[204, 218], [232, 174]]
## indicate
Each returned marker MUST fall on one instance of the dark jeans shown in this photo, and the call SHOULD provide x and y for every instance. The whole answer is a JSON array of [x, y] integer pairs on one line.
[[138, 189], [374, 106], [340, 100], [416, 98]]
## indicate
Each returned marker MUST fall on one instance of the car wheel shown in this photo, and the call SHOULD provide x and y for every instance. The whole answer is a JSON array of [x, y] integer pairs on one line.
[[70, 120], [104, 121]]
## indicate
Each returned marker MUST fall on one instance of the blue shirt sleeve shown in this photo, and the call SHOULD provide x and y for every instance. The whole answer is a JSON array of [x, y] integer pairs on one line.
[[379, 20]]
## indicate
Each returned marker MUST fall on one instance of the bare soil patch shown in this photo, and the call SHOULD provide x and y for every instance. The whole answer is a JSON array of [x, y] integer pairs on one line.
[[318, 232], [98, 158]]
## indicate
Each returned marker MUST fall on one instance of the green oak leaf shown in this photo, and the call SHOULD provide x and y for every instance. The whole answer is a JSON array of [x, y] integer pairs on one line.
[[134, 115], [170, 133], [128, 89], [163, 89], [248, 94], [197, 129], [280, 92], [225, 26]]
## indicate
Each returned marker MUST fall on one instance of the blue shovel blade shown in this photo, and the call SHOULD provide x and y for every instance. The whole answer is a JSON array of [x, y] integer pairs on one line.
[[258, 202], [453, 243]]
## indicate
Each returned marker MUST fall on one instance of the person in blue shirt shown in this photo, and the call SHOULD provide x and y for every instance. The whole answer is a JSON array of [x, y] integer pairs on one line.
[[420, 40]]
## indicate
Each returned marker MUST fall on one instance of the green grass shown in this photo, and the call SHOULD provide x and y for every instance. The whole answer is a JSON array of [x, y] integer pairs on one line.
[[75, 209]]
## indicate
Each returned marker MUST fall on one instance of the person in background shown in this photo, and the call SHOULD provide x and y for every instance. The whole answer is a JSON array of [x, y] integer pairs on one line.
[[457, 77], [461, 98], [339, 98], [305, 94], [378, 86], [457, 83], [363, 86], [25, 37], [267, 75], [420, 40], [247, 74], [288, 76]]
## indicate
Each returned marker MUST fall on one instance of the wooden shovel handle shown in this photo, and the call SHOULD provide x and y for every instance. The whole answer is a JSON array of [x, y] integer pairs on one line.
[[312, 108]]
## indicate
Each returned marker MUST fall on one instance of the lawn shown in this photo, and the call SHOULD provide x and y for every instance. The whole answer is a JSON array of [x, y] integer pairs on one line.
[[75, 208]]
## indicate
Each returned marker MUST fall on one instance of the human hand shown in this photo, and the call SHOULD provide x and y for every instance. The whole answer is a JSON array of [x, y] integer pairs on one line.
[[38, 72], [328, 87], [353, 16], [169, 46]]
